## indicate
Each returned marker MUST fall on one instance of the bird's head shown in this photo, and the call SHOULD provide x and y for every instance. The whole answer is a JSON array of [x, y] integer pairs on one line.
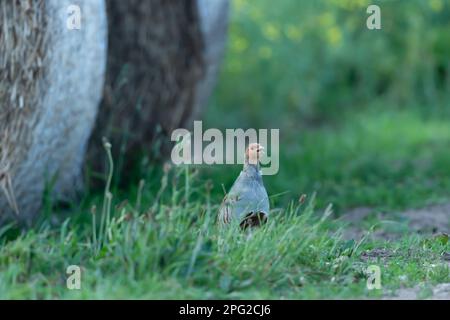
[[253, 153]]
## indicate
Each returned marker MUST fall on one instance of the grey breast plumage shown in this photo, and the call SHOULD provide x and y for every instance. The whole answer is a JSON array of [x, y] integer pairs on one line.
[[247, 198]]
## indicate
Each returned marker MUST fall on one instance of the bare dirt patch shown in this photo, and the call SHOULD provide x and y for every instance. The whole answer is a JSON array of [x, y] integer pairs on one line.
[[390, 226], [431, 220], [435, 219], [439, 292]]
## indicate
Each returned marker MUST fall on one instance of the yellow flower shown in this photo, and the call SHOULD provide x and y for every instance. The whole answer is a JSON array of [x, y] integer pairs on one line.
[[239, 44], [351, 4], [436, 5], [293, 32], [239, 4], [334, 36], [256, 14], [271, 31], [326, 19]]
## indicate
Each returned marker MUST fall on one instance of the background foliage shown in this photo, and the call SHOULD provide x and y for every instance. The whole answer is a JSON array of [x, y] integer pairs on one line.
[[362, 113], [305, 61]]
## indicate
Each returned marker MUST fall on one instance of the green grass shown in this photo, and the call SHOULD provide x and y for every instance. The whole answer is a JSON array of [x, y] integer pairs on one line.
[[160, 240], [176, 251], [386, 160]]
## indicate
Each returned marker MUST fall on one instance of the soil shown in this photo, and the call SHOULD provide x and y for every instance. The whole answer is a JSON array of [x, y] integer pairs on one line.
[[432, 220], [439, 292]]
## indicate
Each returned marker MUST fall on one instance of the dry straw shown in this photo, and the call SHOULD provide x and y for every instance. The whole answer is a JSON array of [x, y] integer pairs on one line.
[[22, 50]]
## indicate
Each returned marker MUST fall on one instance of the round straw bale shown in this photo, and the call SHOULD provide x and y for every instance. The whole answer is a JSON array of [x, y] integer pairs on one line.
[[163, 60], [51, 80]]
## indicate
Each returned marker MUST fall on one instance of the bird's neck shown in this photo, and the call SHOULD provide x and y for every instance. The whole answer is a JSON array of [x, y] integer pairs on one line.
[[250, 167]]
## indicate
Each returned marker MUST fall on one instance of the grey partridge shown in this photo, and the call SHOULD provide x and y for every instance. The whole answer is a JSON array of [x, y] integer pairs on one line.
[[247, 201]]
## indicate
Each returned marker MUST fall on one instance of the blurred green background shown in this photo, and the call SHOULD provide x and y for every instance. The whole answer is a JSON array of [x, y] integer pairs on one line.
[[363, 114]]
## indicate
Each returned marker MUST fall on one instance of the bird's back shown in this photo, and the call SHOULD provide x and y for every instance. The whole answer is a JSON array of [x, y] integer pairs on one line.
[[247, 196]]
